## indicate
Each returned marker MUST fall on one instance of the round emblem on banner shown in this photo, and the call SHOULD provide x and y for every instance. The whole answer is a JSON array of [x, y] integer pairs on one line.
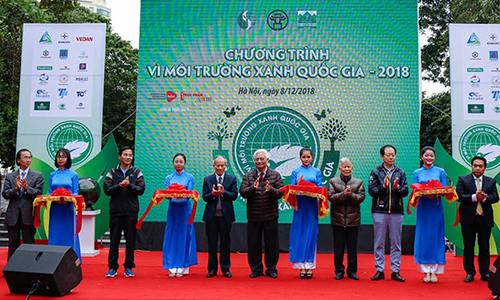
[[481, 140], [74, 136], [279, 130]]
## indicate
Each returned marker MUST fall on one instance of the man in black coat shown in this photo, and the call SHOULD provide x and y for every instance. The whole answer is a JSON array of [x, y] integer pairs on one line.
[[476, 194], [21, 187], [124, 184], [261, 187], [219, 191]]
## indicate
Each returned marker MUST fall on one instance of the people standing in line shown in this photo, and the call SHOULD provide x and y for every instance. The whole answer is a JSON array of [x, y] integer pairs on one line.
[[346, 194], [260, 187], [123, 184], [388, 186], [20, 188], [476, 194], [62, 222], [304, 228], [179, 243], [429, 245], [219, 191]]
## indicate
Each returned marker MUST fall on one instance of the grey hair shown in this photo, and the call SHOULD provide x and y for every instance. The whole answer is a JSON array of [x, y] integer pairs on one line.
[[261, 151], [219, 157], [344, 160]]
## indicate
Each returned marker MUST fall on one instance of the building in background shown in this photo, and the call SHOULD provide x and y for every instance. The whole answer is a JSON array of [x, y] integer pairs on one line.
[[97, 6]]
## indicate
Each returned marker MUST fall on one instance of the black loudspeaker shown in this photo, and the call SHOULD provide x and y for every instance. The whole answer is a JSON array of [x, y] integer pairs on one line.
[[55, 270], [494, 281]]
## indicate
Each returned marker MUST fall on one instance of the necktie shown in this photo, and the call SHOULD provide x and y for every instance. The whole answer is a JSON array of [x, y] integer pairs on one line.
[[21, 190], [219, 204], [261, 178], [479, 208]]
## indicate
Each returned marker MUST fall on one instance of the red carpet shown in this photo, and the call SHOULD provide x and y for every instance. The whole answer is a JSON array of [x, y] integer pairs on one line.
[[152, 282]]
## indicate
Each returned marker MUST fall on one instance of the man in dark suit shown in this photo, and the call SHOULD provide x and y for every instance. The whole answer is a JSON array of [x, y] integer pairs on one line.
[[21, 187], [261, 187], [476, 194], [219, 191]]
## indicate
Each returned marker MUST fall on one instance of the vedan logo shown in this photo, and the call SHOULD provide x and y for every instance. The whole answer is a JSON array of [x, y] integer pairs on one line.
[[473, 40], [481, 140], [244, 20], [74, 136], [45, 39], [277, 20], [279, 130], [307, 18]]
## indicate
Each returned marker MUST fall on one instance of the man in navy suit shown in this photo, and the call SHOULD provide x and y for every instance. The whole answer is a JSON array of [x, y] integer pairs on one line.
[[21, 187], [219, 191], [476, 194]]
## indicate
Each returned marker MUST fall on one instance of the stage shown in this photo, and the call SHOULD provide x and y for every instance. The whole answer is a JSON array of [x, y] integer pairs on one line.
[[152, 282]]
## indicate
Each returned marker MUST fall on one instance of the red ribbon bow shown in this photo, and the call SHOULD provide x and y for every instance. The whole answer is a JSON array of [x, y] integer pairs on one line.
[[433, 189], [60, 195], [175, 191], [305, 188]]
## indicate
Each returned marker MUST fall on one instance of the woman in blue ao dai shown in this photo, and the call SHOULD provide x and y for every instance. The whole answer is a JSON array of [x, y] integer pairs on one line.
[[429, 246], [304, 229], [62, 222], [179, 243]]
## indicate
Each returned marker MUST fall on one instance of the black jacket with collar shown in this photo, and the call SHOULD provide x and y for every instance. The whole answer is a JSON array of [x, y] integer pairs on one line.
[[124, 201], [387, 200]]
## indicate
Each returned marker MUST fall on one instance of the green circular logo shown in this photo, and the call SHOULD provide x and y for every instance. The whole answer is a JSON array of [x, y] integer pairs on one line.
[[481, 140], [74, 136], [279, 130]]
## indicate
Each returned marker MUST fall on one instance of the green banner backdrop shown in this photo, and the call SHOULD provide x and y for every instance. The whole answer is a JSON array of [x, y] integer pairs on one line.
[[230, 77]]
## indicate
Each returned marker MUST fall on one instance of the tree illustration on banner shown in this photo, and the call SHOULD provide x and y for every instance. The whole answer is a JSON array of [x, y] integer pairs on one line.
[[335, 131]]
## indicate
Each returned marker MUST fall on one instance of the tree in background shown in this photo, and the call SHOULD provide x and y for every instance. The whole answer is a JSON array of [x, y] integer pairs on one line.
[[435, 15], [121, 64]]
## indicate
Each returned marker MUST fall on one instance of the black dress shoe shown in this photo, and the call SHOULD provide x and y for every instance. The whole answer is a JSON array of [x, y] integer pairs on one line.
[[485, 277], [256, 274], [469, 278], [211, 274], [352, 276], [396, 276], [339, 276], [378, 276], [272, 274], [228, 274]]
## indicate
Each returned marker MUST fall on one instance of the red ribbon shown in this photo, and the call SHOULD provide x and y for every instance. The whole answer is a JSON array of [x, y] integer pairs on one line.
[[60, 195], [433, 189], [175, 191], [305, 188]]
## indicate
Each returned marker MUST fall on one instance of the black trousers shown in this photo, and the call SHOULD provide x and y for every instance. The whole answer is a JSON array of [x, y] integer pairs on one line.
[[116, 225], [219, 227], [343, 236], [271, 246], [483, 232], [15, 231]]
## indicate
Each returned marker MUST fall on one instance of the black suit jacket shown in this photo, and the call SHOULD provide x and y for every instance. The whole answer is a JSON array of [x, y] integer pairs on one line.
[[466, 187], [230, 194], [35, 188]]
